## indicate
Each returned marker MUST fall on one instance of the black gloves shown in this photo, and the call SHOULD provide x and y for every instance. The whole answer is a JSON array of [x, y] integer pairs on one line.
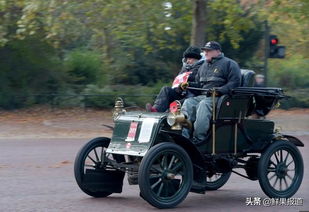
[[183, 86]]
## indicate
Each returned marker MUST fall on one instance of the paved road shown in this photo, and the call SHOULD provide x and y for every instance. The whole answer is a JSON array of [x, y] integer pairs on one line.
[[37, 175]]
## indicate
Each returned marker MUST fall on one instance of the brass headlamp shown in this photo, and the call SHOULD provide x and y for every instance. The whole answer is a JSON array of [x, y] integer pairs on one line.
[[176, 119], [118, 108]]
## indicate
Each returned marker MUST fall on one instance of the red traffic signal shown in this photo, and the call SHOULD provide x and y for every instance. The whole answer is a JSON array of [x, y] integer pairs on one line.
[[274, 41], [275, 51]]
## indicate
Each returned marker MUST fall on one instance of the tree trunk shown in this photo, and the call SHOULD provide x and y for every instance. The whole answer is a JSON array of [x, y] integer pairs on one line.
[[107, 46], [198, 33]]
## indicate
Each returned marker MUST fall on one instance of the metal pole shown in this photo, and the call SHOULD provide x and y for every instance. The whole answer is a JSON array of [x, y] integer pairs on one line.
[[266, 53]]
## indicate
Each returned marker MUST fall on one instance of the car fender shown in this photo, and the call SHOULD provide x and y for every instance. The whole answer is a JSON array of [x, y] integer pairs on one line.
[[294, 140], [196, 156]]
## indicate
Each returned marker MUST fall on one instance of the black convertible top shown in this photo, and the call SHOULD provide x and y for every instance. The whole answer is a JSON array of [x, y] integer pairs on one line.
[[260, 91], [263, 99]]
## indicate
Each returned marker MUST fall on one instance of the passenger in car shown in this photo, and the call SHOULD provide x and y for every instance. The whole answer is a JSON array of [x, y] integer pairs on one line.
[[217, 72], [259, 80], [191, 63]]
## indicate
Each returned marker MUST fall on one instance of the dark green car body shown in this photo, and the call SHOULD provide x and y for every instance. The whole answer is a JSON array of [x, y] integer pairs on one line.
[[167, 166]]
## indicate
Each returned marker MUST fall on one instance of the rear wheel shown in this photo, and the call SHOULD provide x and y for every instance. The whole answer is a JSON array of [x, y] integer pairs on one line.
[[165, 175], [92, 174], [217, 180], [280, 170]]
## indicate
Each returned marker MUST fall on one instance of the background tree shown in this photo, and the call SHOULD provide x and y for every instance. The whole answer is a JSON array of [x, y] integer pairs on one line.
[[198, 34]]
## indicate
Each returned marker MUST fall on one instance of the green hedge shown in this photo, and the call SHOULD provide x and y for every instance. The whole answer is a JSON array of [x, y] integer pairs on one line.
[[296, 98], [132, 95]]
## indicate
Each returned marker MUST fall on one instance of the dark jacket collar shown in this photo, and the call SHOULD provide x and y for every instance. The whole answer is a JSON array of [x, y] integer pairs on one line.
[[215, 59], [196, 64]]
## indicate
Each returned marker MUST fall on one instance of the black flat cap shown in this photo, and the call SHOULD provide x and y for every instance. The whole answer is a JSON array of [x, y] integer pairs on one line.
[[212, 45]]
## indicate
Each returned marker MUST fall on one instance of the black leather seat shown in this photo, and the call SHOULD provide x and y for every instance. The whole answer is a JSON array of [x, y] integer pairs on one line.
[[247, 78], [229, 107]]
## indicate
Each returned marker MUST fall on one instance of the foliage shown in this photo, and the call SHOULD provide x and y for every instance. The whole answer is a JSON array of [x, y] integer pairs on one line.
[[132, 95], [224, 16], [74, 46], [296, 98], [150, 29], [290, 20], [292, 73], [27, 72], [84, 67]]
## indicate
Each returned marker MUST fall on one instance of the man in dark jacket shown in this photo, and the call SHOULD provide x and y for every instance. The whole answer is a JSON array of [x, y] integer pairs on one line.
[[217, 72], [191, 64]]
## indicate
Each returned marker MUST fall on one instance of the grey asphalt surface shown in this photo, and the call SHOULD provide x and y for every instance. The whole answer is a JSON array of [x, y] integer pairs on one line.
[[37, 175]]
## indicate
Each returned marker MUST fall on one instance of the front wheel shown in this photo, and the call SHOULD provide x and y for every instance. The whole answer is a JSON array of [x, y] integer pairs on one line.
[[280, 170], [93, 175], [165, 175]]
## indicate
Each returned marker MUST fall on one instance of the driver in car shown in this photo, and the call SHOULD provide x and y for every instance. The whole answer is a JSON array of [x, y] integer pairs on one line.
[[217, 72]]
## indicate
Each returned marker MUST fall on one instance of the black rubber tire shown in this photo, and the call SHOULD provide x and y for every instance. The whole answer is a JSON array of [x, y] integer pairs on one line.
[[280, 169], [218, 183], [80, 160], [175, 190]]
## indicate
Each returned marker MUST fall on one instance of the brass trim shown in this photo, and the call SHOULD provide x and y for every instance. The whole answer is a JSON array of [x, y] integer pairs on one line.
[[236, 132], [213, 122], [118, 108], [180, 119], [235, 138]]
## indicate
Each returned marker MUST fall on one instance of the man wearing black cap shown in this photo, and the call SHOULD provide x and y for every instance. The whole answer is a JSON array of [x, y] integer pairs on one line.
[[191, 64], [217, 72]]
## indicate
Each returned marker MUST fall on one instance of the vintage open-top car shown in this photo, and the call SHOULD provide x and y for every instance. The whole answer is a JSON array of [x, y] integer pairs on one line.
[[150, 148]]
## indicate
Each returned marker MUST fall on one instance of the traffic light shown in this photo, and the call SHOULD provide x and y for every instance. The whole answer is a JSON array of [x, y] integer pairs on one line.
[[275, 51]]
